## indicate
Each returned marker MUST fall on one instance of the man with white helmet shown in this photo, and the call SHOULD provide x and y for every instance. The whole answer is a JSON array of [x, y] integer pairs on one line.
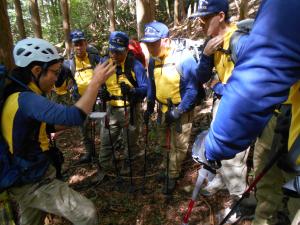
[[26, 117]]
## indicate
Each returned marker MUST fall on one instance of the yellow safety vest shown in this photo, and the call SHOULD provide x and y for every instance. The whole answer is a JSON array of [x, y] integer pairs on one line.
[[83, 73], [114, 88], [167, 79]]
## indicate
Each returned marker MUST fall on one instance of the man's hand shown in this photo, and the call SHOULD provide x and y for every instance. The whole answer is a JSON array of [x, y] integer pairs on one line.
[[213, 45], [172, 115], [198, 153]]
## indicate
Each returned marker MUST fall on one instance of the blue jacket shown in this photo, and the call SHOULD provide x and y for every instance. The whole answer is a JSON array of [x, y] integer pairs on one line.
[[266, 69]]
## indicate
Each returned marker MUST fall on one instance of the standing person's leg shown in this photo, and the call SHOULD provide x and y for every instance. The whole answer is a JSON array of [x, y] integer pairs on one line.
[[105, 154], [87, 140], [268, 190], [52, 196], [180, 144], [134, 132]]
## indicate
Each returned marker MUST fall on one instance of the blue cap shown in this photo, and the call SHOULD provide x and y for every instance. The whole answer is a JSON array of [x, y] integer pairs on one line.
[[207, 7], [118, 41], [77, 35], [155, 31]]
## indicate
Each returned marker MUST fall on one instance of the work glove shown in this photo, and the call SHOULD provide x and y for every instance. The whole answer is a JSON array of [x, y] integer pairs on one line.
[[126, 89], [172, 115], [104, 95], [198, 154]]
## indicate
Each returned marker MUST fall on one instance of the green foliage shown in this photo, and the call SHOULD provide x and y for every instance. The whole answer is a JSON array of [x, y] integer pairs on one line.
[[90, 16]]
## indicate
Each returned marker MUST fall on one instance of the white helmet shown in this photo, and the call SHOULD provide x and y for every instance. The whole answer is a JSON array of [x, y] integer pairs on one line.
[[34, 49]]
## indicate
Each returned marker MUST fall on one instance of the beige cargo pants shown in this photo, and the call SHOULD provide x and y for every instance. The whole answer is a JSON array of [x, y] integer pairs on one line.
[[179, 142], [52, 196], [233, 171]]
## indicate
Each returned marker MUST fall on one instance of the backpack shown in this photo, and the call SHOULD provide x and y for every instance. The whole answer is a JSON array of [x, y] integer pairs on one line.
[[195, 47], [244, 27], [136, 49], [135, 52], [6, 169]]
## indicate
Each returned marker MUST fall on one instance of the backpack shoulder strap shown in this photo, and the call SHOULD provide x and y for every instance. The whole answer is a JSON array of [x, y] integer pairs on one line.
[[94, 59], [243, 28], [128, 67]]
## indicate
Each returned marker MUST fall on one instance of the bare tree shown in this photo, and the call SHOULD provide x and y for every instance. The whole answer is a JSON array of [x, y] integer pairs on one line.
[[182, 9], [243, 9], [20, 21], [176, 13], [144, 15], [66, 24], [168, 8], [6, 41], [111, 11], [35, 18]]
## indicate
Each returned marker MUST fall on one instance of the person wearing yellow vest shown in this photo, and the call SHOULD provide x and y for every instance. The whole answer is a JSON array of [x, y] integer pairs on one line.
[[61, 92], [82, 65], [266, 73], [173, 84], [27, 173], [124, 90], [216, 26]]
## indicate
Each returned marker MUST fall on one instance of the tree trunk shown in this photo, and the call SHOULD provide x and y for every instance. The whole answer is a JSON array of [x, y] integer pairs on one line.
[[144, 15], [182, 9], [6, 41], [66, 24], [111, 11], [243, 9], [35, 18], [20, 22], [168, 8], [176, 13]]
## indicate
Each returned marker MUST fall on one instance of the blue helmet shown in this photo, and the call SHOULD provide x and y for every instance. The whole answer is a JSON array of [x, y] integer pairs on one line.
[[77, 35]]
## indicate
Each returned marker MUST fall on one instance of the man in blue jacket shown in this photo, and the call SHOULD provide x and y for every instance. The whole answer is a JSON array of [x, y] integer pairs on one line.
[[127, 87], [263, 75], [173, 84], [219, 31]]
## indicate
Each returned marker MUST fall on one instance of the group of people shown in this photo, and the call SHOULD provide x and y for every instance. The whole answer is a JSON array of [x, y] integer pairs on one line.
[[248, 106]]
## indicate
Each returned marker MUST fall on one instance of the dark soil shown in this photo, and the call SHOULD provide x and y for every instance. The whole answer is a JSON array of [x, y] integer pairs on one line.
[[116, 205]]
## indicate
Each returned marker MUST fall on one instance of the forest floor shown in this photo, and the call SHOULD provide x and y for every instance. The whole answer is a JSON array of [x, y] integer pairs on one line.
[[116, 205]]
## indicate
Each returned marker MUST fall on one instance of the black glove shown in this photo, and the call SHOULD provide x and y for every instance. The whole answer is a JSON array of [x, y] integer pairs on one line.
[[198, 153], [104, 95], [172, 115], [126, 89]]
